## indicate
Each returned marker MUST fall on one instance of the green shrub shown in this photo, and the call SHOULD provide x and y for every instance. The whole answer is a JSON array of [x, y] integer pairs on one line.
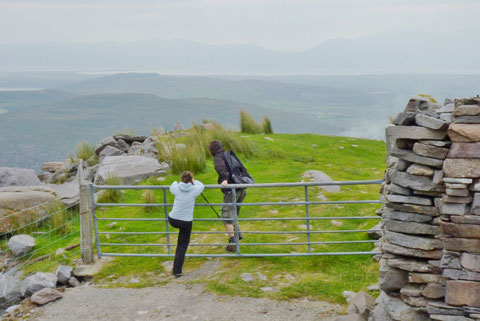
[[267, 126], [111, 195], [248, 125]]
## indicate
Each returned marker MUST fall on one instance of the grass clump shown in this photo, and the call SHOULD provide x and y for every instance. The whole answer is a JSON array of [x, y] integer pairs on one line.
[[111, 195], [248, 125], [190, 152], [86, 152], [149, 198], [267, 126]]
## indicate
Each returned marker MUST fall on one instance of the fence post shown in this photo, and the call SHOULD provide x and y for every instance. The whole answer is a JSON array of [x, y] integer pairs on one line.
[[86, 236]]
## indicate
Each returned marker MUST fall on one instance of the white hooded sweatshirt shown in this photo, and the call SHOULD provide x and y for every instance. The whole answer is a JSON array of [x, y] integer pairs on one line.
[[185, 195]]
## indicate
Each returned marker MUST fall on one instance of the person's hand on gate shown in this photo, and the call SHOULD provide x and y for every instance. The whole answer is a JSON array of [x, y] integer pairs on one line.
[[224, 183]]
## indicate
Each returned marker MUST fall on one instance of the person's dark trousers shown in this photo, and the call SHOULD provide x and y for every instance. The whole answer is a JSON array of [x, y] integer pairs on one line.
[[185, 230]]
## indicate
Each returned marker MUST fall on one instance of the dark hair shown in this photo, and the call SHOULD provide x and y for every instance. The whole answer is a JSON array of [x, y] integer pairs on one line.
[[214, 146], [187, 177]]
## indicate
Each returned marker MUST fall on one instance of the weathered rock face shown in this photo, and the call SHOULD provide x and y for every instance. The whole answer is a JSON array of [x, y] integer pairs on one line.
[[21, 244], [67, 193], [10, 176], [17, 199], [10, 292], [431, 217], [37, 282], [130, 169]]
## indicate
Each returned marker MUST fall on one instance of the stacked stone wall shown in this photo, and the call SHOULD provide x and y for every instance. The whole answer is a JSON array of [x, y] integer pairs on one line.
[[430, 266]]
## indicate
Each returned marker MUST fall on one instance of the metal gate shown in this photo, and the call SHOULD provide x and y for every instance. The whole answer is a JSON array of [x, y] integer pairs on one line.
[[163, 231]]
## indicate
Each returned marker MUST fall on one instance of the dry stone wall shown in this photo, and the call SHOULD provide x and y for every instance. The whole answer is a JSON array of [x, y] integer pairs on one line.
[[430, 266]]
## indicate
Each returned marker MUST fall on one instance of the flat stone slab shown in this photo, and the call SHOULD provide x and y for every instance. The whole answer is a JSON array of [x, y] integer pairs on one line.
[[415, 158], [411, 208], [415, 132], [464, 132], [413, 242], [131, 169], [467, 110], [420, 170], [430, 151], [430, 122], [463, 168], [400, 250], [320, 177], [462, 244], [406, 216], [419, 183], [463, 293], [411, 265], [91, 269], [409, 199], [464, 150], [410, 227], [460, 230]]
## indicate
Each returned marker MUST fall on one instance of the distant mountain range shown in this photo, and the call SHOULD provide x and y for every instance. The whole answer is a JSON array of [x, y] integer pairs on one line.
[[395, 52]]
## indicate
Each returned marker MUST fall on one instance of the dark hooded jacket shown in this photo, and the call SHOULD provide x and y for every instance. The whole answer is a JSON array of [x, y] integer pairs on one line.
[[219, 162]]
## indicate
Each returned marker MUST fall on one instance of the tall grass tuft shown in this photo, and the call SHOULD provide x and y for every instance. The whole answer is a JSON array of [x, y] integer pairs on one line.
[[267, 126], [248, 125], [111, 195], [190, 152], [149, 198], [86, 152]]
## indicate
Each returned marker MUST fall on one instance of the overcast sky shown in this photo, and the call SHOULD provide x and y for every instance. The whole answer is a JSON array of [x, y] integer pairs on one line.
[[290, 25]]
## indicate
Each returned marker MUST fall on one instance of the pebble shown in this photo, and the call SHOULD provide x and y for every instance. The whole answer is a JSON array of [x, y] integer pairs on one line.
[[267, 289], [262, 276], [337, 223], [247, 277], [268, 138]]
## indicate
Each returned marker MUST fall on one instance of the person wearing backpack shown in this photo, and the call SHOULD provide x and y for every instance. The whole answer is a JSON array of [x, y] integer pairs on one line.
[[230, 171], [181, 216]]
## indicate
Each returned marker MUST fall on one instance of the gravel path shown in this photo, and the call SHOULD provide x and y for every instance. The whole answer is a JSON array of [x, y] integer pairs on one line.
[[176, 301]]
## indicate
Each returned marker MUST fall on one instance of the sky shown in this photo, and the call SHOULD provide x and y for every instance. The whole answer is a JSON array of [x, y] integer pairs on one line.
[[284, 25]]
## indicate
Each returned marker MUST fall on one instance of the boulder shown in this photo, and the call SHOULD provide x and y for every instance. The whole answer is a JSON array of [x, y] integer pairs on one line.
[[130, 138], [320, 177], [464, 132], [10, 292], [67, 193], [37, 282], [131, 169], [45, 296], [28, 202], [64, 273], [21, 244], [10, 176], [52, 167], [123, 145], [107, 141], [110, 151]]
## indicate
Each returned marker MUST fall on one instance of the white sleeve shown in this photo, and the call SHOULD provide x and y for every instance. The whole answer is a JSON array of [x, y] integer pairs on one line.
[[198, 187], [174, 188]]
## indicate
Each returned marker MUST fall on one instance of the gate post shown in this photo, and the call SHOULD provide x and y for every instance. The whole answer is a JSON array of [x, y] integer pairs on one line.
[[86, 237]]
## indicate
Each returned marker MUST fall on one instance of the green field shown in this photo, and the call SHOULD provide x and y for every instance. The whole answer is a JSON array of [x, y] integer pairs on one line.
[[283, 160]]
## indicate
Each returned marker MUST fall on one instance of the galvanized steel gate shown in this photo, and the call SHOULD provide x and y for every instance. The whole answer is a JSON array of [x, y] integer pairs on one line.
[[96, 207]]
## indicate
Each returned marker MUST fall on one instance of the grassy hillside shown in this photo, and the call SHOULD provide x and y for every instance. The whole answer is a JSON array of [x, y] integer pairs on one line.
[[283, 160]]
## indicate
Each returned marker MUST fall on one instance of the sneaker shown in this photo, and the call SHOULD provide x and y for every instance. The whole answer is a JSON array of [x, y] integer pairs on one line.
[[240, 237], [177, 275], [231, 246]]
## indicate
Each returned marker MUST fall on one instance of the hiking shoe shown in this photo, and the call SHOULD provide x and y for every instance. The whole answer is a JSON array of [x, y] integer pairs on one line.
[[231, 246], [177, 275]]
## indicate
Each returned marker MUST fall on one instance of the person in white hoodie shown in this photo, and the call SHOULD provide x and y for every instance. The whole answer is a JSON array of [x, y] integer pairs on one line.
[[181, 216]]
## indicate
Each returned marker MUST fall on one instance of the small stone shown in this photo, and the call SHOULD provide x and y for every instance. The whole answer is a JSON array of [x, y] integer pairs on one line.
[[430, 122], [416, 158], [408, 199], [475, 209], [453, 199], [414, 242], [64, 272], [73, 282], [400, 250], [467, 110], [168, 266], [45, 296], [405, 216], [268, 138], [414, 132], [262, 276], [247, 277], [457, 180], [454, 208], [12, 308], [456, 186], [470, 261], [361, 303], [412, 290], [60, 251], [460, 230], [405, 119], [464, 150], [437, 143], [425, 278], [410, 227], [464, 132], [390, 278], [111, 224], [462, 244], [419, 183], [426, 210], [336, 223], [348, 295], [434, 291], [373, 287], [397, 189], [458, 192], [411, 265], [267, 289], [422, 170]]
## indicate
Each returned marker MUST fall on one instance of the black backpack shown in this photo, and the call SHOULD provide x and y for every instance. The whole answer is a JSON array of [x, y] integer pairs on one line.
[[237, 172]]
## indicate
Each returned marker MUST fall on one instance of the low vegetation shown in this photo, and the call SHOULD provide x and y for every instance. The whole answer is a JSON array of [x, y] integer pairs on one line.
[[111, 195], [248, 125], [86, 152], [189, 150]]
